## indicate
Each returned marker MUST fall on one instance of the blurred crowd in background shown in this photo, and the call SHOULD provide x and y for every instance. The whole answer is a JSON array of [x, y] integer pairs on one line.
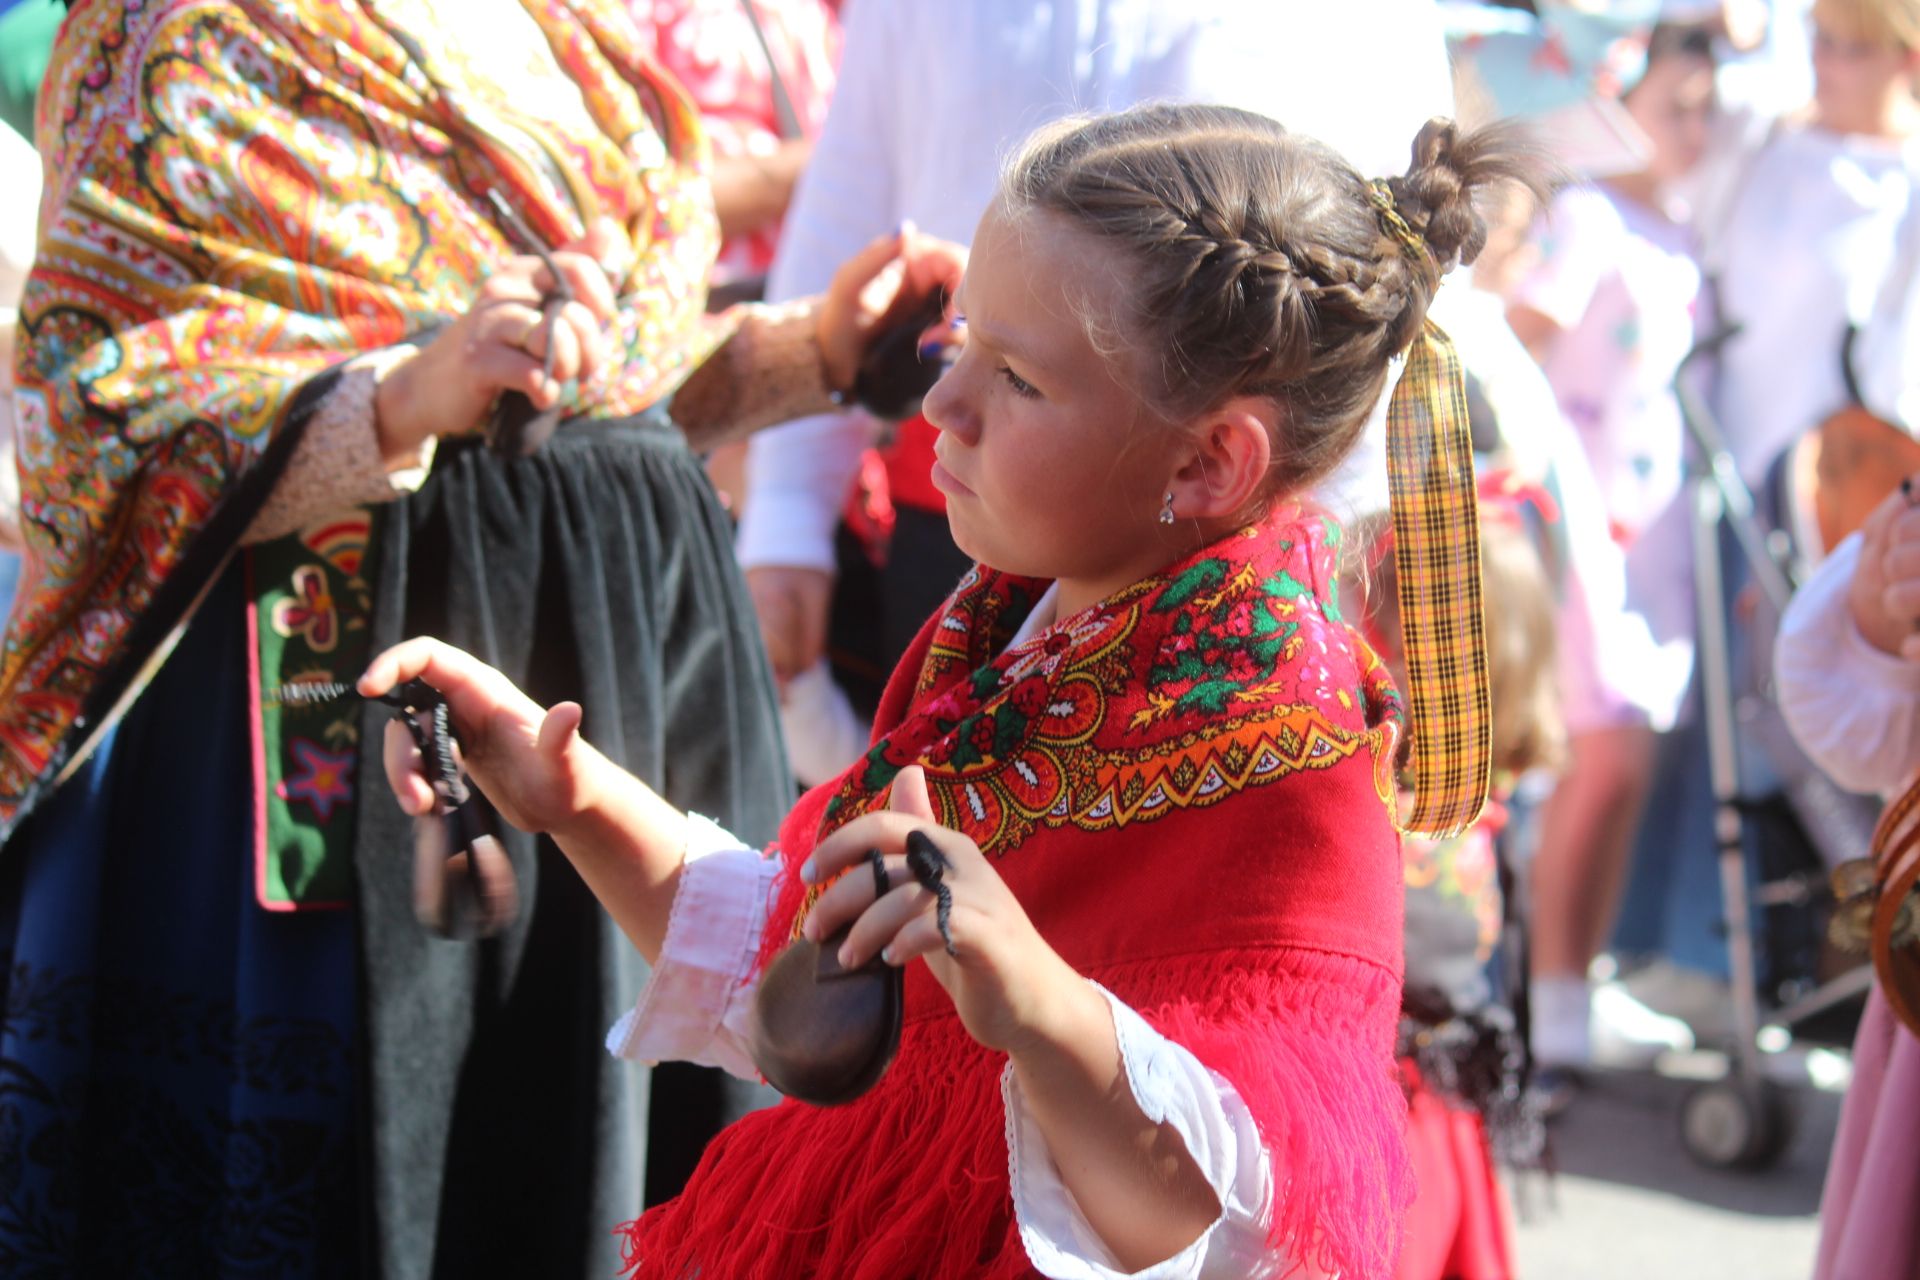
[[1728, 275]]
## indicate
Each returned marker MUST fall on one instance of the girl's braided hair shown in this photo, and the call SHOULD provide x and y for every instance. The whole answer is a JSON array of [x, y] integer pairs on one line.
[[1260, 263]]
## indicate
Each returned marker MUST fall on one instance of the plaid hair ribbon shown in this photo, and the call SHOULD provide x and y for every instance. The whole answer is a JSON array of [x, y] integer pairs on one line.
[[1436, 533]]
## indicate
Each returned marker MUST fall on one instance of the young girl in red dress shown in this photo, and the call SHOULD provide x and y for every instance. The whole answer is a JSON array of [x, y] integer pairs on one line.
[[1149, 1018]]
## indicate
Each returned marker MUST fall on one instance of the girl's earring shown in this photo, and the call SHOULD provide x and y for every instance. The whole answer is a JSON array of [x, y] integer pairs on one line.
[[1166, 508]]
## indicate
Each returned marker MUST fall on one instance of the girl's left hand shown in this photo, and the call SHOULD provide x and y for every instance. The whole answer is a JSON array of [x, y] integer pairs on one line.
[[885, 279], [1008, 986]]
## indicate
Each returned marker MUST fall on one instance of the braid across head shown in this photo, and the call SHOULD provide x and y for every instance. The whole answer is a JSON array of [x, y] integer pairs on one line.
[[1259, 263]]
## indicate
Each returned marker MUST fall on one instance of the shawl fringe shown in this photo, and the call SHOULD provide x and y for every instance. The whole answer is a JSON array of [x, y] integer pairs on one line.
[[913, 1179]]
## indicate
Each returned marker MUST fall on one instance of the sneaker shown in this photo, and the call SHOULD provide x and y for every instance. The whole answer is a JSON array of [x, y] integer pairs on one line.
[[1701, 1001], [1627, 1034]]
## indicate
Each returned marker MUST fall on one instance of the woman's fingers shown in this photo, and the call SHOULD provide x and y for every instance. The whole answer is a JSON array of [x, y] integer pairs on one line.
[[608, 244], [587, 280], [857, 272], [932, 265], [507, 322], [405, 771], [577, 341], [525, 278]]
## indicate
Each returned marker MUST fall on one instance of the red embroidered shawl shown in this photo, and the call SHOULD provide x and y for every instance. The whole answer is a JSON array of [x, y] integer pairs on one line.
[[1188, 786]]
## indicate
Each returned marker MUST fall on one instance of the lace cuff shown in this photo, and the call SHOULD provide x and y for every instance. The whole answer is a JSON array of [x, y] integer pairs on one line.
[[337, 464], [1171, 1086], [769, 371], [695, 1005]]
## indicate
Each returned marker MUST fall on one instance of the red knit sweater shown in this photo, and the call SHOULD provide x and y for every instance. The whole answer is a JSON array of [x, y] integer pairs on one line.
[[1188, 787]]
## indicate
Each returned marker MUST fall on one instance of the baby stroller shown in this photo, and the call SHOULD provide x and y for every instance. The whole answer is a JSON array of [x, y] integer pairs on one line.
[[1772, 809]]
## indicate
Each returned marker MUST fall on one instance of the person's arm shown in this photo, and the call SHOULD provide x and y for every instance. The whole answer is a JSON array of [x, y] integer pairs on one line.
[[1129, 1153], [337, 464], [798, 475], [752, 190], [1175, 1090], [784, 359], [625, 841], [1578, 240]]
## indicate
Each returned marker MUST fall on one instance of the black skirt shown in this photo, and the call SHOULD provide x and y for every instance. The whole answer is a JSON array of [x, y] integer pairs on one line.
[[503, 1139]]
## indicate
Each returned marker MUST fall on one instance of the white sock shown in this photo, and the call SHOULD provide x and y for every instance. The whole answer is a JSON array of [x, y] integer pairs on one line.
[[1562, 1009]]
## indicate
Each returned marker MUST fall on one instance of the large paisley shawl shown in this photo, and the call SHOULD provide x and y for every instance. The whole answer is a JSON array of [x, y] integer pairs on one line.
[[242, 194]]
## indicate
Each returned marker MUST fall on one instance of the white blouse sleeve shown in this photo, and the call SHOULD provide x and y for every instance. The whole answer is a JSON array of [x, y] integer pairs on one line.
[[1854, 709], [1171, 1086], [695, 1008], [695, 1005]]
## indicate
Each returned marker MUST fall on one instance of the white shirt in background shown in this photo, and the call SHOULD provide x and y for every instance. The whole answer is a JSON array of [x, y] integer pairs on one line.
[[1802, 230]]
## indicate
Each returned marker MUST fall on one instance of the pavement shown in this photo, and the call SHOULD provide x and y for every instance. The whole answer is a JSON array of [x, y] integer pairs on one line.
[[1629, 1203]]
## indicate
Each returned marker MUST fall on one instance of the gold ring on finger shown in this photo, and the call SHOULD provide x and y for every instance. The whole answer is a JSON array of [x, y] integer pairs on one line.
[[525, 336]]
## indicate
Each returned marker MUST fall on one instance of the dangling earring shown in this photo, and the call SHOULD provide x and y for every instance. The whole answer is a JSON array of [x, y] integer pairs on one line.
[[1166, 508]]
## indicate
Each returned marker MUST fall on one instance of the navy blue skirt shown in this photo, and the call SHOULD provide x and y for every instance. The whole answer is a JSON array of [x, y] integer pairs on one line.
[[192, 1086], [176, 1064]]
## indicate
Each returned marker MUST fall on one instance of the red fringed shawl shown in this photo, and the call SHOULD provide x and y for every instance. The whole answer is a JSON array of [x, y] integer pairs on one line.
[[1188, 786]]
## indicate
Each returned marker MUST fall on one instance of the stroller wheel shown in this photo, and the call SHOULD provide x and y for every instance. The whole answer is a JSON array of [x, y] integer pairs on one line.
[[1735, 1124]]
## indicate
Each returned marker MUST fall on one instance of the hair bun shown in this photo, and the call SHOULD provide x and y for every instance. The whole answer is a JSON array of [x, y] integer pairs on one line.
[[1450, 168]]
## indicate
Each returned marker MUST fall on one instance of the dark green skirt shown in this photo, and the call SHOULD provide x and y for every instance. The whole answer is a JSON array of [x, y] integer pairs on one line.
[[502, 1137]]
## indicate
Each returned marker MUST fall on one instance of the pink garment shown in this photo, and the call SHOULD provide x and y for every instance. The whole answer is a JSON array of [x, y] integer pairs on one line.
[[1620, 280], [1856, 712], [1870, 1211], [710, 47]]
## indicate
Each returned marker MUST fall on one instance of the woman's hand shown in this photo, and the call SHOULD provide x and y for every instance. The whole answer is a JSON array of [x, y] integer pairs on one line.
[[794, 605], [1885, 595], [1008, 986], [883, 281], [501, 344], [531, 763]]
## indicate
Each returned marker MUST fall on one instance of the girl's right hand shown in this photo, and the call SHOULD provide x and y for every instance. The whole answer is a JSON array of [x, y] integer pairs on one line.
[[531, 763], [1885, 595], [500, 345]]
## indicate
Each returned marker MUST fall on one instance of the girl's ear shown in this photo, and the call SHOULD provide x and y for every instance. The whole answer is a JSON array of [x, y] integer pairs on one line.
[[1222, 472]]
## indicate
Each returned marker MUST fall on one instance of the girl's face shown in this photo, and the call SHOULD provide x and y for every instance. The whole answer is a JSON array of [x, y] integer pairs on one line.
[[1673, 105], [1852, 77], [1051, 466]]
